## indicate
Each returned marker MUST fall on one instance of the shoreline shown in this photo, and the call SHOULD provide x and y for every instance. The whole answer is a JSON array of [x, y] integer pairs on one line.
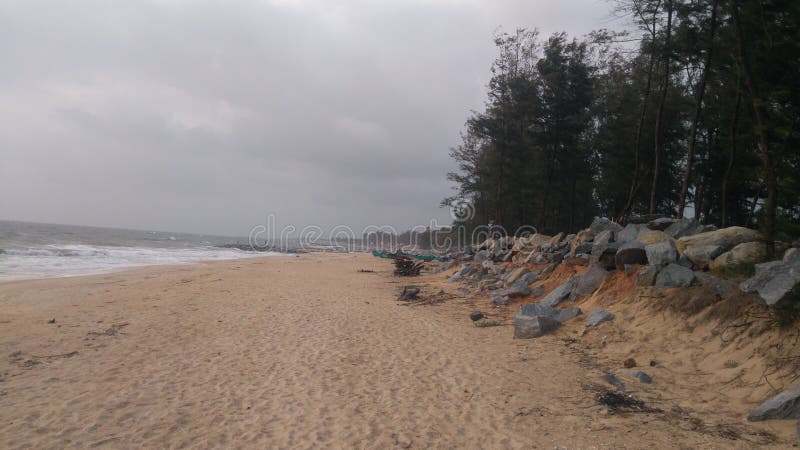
[[301, 351]]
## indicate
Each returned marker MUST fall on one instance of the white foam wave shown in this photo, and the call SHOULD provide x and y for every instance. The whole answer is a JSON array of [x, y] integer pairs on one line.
[[70, 260]]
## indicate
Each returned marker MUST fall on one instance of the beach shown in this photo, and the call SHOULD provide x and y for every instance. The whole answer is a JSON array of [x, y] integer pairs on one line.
[[296, 351]]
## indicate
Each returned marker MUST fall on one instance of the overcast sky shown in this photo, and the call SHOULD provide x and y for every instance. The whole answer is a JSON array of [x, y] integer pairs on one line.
[[205, 116]]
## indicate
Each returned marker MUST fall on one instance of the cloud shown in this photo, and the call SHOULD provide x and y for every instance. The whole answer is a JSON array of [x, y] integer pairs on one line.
[[204, 116]]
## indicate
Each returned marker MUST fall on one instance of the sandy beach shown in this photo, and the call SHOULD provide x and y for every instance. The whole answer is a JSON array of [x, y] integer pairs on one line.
[[294, 352]]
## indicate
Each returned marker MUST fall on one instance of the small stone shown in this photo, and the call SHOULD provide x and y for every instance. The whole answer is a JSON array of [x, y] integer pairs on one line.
[[785, 405], [527, 327], [517, 289], [598, 316], [653, 363], [516, 274], [529, 278], [629, 363], [53, 320], [501, 299], [476, 316], [612, 380], [636, 375]]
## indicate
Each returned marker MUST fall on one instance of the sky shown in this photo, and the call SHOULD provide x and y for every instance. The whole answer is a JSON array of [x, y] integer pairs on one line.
[[205, 117]]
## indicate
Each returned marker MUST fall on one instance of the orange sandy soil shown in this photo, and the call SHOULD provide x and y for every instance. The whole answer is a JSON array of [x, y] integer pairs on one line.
[[308, 352]]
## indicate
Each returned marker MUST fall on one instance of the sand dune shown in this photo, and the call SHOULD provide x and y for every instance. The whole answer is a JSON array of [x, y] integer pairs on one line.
[[289, 352]]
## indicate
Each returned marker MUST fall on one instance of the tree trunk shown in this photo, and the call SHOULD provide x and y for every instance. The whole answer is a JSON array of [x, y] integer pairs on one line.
[[770, 178], [698, 108], [732, 152], [635, 182], [660, 117]]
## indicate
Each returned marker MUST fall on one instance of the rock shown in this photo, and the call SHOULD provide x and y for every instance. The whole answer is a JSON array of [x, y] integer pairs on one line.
[[661, 253], [646, 276], [614, 381], [555, 240], [517, 289], [409, 294], [630, 269], [636, 375], [785, 405], [582, 237], [492, 268], [529, 278], [684, 262], [537, 309], [776, 282], [580, 259], [517, 274], [601, 243], [480, 257], [464, 272], [701, 255], [727, 238], [539, 290], [548, 269], [583, 249], [501, 299], [629, 233], [588, 282], [661, 223], [791, 255], [558, 294], [629, 363], [476, 316], [527, 327], [631, 252], [717, 286], [598, 316], [567, 314], [647, 237], [674, 275], [743, 254], [603, 224], [680, 228], [608, 258]]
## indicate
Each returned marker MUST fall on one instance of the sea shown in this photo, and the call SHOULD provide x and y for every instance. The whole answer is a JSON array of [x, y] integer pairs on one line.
[[37, 250]]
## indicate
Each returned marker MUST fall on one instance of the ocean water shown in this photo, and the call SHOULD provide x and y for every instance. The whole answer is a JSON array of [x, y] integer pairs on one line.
[[36, 250]]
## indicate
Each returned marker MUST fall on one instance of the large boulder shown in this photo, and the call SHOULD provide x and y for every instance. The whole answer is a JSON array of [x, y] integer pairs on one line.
[[598, 316], [567, 314], [583, 237], [600, 243], [680, 228], [630, 232], [727, 238], [777, 282], [607, 259], [589, 281], [537, 309], [646, 276], [556, 240], [648, 237], [528, 327], [631, 252], [516, 289], [661, 224], [661, 252], [674, 275], [702, 255], [558, 294], [603, 224], [785, 405], [747, 253]]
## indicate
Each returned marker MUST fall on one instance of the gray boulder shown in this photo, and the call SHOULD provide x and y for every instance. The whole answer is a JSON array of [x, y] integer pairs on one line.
[[727, 238], [608, 258], [680, 228], [603, 224], [791, 255], [529, 278], [537, 291], [516, 274], [558, 294], [501, 299], [631, 252], [588, 282], [661, 224], [745, 253], [517, 289], [785, 405], [661, 253], [464, 272], [636, 375], [598, 316], [685, 262], [674, 275], [646, 276], [600, 243], [718, 286], [583, 249], [580, 259], [528, 327], [536, 309], [567, 314], [702, 255], [629, 233], [776, 282]]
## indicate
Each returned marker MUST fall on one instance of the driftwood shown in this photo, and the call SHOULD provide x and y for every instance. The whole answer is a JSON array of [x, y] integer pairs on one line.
[[407, 267]]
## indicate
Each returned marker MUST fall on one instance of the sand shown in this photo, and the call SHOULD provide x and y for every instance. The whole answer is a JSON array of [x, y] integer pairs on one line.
[[303, 352]]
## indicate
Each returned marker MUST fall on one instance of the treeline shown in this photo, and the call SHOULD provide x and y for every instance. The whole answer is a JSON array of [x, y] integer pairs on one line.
[[693, 114]]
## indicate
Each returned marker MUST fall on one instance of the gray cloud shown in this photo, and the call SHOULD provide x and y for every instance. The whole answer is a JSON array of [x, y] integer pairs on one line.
[[205, 116]]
